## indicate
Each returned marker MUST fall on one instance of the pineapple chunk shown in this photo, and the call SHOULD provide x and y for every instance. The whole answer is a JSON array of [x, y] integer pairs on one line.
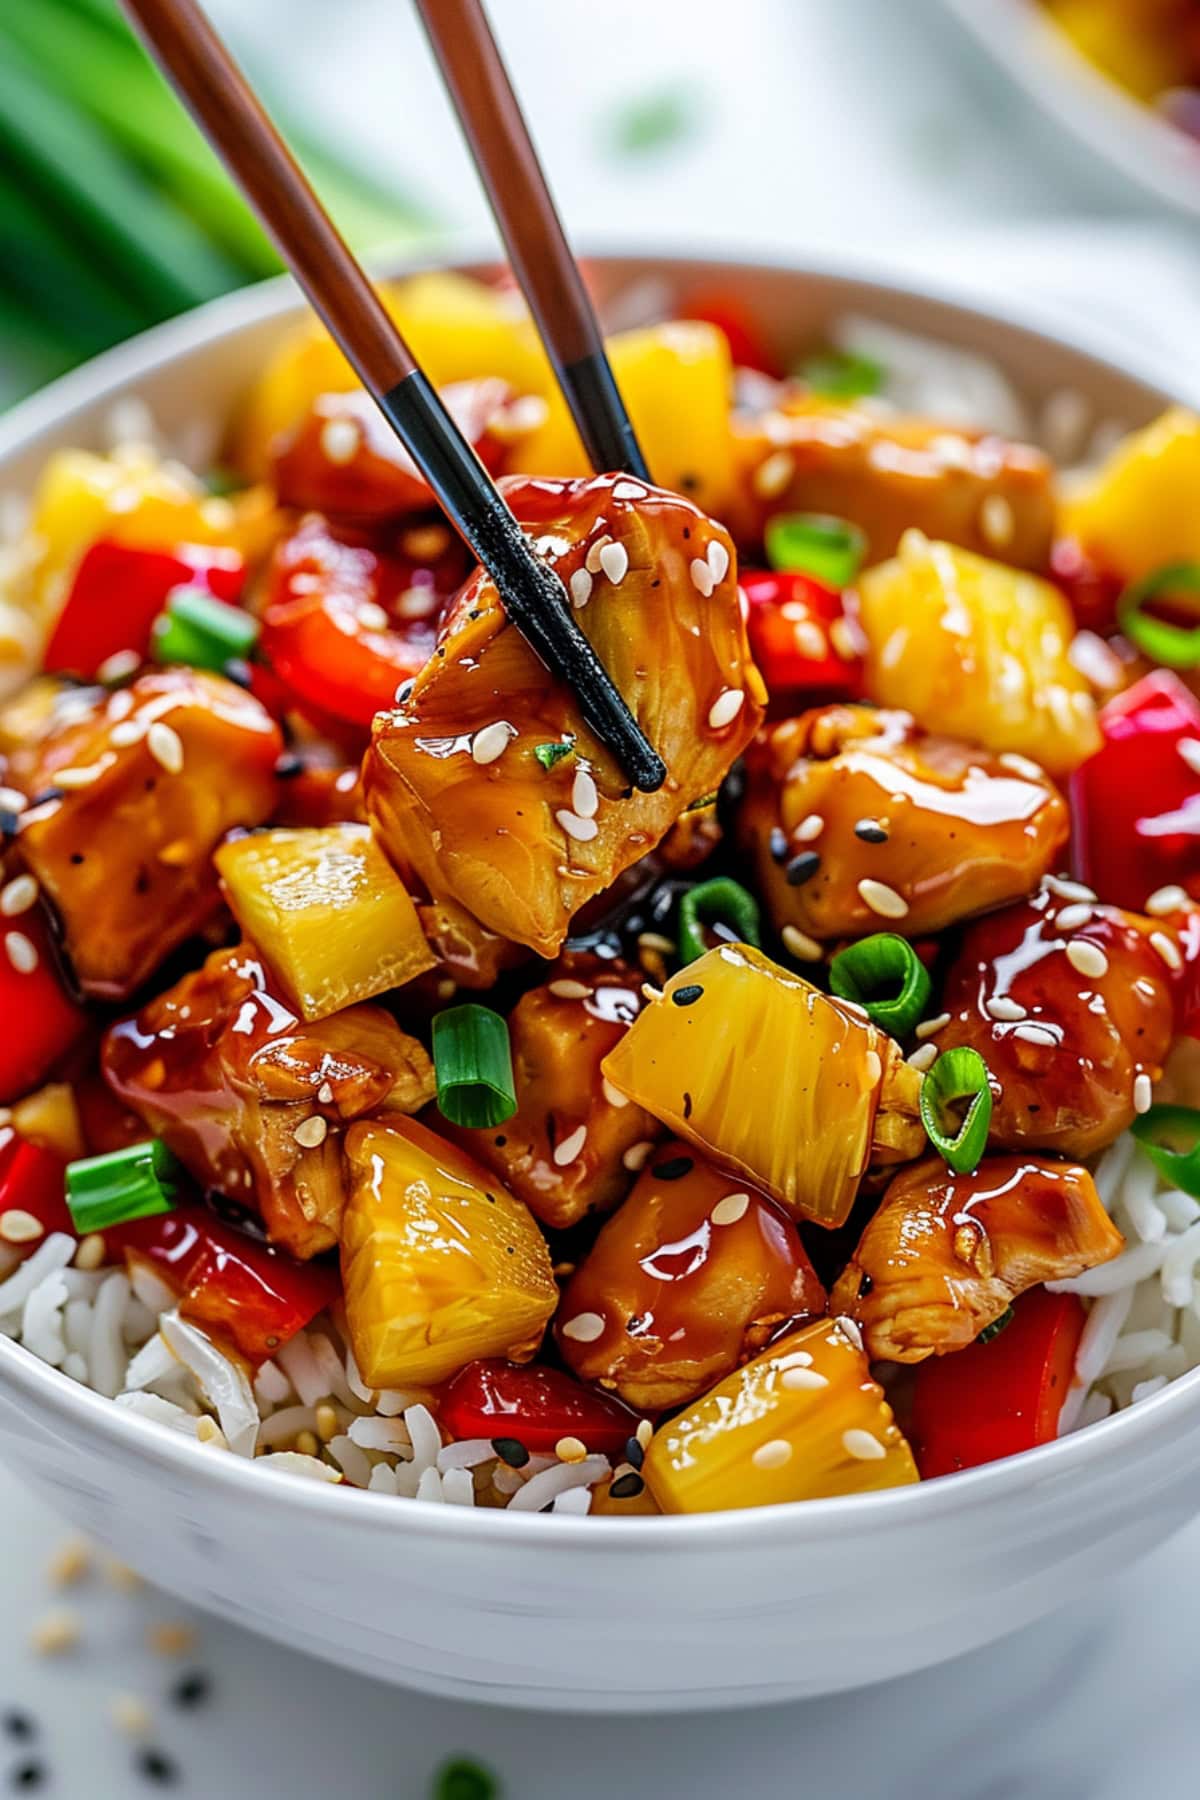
[[327, 910], [440, 1264], [734, 1041], [1141, 510], [976, 650], [803, 1421]]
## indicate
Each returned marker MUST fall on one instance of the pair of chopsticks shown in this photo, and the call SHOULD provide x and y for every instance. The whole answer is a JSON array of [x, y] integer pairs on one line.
[[209, 82]]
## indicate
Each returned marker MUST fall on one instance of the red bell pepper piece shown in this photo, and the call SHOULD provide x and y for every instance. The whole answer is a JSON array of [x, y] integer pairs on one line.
[[32, 1180], [118, 592], [536, 1406], [996, 1398], [1135, 805], [789, 624], [257, 1296], [747, 345], [41, 1020]]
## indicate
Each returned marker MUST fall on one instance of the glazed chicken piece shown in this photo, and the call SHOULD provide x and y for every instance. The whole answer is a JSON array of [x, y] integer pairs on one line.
[[857, 821], [563, 1151], [1070, 1005], [468, 953], [946, 1255], [691, 1277], [143, 789], [886, 473], [486, 781], [252, 1100], [343, 458]]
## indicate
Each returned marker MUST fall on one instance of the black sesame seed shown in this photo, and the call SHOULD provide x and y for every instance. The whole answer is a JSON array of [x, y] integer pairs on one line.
[[192, 1689], [865, 1284], [28, 1775], [687, 1106], [154, 1766], [627, 1487], [511, 1451], [778, 844], [237, 670], [288, 766], [501, 1141], [674, 1169], [870, 831], [802, 868], [10, 823], [46, 795], [19, 1725], [687, 996], [634, 1453], [77, 856]]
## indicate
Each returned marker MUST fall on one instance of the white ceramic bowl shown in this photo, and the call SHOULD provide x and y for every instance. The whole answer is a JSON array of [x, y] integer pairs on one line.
[[598, 1614]]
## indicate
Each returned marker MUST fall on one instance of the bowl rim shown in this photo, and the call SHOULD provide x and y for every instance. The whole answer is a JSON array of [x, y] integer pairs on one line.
[[801, 1521]]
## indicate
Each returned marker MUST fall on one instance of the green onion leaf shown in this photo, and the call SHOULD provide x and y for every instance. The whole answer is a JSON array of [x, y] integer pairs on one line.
[[957, 1075], [700, 804], [464, 1780], [842, 375], [1170, 1136], [885, 975], [549, 754], [472, 1059], [1176, 646], [996, 1327], [203, 632], [831, 550], [134, 1183], [717, 902]]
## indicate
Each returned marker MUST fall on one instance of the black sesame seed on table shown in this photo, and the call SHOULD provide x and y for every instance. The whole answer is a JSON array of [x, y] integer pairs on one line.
[[802, 868], [155, 1766], [19, 1726], [511, 1451], [192, 1689], [27, 1775], [687, 995], [674, 1168]]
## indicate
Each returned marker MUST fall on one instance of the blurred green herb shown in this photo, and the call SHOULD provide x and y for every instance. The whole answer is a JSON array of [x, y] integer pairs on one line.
[[651, 121], [841, 375], [464, 1780]]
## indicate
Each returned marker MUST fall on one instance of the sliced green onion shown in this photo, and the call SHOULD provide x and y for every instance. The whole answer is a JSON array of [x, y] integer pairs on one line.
[[549, 754], [203, 632], [842, 375], [134, 1183], [700, 804], [717, 902], [885, 975], [996, 1326], [831, 550], [1170, 1136], [957, 1075], [1176, 646], [463, 1780], [472, 1059]]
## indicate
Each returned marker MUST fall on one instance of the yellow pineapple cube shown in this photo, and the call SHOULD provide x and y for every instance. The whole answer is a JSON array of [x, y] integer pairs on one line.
[[1141, 509]]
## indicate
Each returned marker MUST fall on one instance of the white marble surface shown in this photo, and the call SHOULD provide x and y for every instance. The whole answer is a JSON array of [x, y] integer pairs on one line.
[[820, 122]]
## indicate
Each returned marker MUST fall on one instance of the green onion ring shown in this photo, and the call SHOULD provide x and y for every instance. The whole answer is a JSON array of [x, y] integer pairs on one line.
[[996, 1327], [720, 901], [883, 961], [958, 1074], [830, 550], [1154, 1130], [472, 1059], [137, 1182], [1175, 646], [203, 632]]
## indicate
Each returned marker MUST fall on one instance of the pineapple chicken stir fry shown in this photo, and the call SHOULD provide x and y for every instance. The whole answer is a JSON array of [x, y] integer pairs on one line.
[[627, 1132]]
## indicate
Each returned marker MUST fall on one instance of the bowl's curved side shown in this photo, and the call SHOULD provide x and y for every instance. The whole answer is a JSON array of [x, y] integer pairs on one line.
[[718, 1610]]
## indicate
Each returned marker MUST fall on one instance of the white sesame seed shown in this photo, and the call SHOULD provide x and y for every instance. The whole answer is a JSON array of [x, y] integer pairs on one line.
[[582, 830], [80, 777], [1143, 1094], [128, 731], [11, 799], [702, 576], [612, 1094], [1068, 890], [773, 475], [18, 895], [629, 490], [841, 636], [800, 945], [340, 439], [809, 828], [849, 1328], [372, 617], [1034, 1033], [774, 1454], [1189, 749], [165, 746], [584, 1328], [325, 1093], [637, 1156], [491, 741], [116, 667], [131, 1715], [1020, 765], [580, 585], [570, 990], [90, 1253], [1087, 958], [570, 1449], [1167, 900], [1073, 918], [796, 1380], [614, 560], [415, 603], [20, 1227], [873, 1067], [311, 1132], [656, 941], [810, 640], [591, 561], [996, 521], [22, 953], [882, 899], [725, 708], [1167, 949], [1005, 1008], [650, 993], [729, 1210], [718, 559], [928, 1027], [585, 797], [863, 1446], [569, 1149], [923, 1058]]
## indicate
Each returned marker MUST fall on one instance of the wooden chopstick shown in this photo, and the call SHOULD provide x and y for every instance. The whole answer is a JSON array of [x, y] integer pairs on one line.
[[216, 93], [524, 208]]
